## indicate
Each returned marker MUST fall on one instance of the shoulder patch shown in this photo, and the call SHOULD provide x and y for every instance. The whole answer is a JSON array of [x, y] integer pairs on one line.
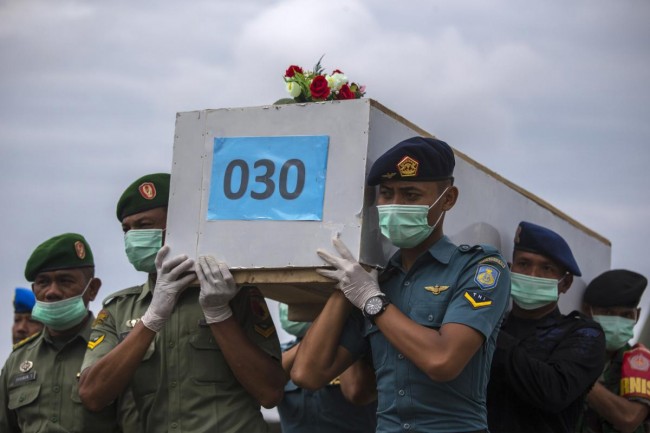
[[478, 300], [493, 259], [263, 322], [101, 317], [24, 341], [487, 277]]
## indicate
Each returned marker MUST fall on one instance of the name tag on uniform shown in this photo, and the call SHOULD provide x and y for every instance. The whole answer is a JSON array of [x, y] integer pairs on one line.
[[20, 379]]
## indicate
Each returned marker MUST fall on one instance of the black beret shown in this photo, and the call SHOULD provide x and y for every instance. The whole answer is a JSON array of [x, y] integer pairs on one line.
[[415, 159], [540, 240], [616, 288], [69, 250], [148, 192], [24, 300]]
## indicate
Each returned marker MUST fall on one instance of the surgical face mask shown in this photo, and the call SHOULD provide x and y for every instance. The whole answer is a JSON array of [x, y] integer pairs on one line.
[[297, 329], [61, 315], [407, 225], [141, 248], [530, 293], [618, 330]]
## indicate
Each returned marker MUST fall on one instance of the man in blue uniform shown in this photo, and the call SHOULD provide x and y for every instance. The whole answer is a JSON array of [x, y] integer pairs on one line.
[[329, 409], [545, 362], [432, 318], [24, 325]]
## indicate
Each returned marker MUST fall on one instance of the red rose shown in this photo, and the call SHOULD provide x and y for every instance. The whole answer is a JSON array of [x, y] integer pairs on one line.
[[291, 71], [337, 71], [345, 92], [319, 88]]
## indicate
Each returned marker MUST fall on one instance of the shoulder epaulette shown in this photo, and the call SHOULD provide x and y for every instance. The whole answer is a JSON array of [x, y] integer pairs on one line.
[[24, 341], [130, 291]]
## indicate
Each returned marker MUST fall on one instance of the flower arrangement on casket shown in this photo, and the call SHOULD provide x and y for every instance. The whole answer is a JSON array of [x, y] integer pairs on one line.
[[316, 85]]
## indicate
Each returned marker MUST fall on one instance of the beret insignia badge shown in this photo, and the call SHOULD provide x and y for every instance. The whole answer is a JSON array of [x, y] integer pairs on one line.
[[147, 190], [80, 249], [408, 167]]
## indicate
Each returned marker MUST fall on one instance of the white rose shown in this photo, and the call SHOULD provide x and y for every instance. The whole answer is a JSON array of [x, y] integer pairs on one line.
[[293, 89], [335, 81]]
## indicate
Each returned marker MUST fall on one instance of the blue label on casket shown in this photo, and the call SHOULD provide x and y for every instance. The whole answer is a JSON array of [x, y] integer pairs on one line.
[[268, 178]]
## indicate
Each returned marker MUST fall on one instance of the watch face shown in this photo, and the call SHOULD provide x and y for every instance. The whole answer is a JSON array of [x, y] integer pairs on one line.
[[373, 306]]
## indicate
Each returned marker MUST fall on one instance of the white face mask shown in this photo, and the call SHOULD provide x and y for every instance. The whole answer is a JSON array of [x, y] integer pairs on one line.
[[530, 293], [407, 225]]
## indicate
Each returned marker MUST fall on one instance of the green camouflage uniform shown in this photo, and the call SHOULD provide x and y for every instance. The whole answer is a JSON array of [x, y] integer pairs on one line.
[[591, 421], [184, 383], [40, 388]]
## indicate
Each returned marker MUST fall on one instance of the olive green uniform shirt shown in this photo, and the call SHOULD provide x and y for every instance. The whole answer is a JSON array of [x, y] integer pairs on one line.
[[184, 383], [40, 388], [591, 421]]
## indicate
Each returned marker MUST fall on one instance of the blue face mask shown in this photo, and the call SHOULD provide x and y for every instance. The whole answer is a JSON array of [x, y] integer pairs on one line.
[[407, 225], [61, 315], [141, 248], [530, 293]]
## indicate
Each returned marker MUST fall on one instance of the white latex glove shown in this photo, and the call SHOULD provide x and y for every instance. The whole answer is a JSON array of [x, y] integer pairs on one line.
[[217, 289], [355, 282], [170, 283]]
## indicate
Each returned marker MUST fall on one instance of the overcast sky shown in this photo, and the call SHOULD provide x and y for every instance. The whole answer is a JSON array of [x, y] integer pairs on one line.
[[554, 96]]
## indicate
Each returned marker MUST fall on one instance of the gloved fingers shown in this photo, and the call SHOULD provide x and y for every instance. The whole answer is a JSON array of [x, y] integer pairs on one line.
[[208, 267], [332, 260], [185, 280], [374, 273], [226, 276], [343, 249], [160, 256], [176, 266], [330, 273]]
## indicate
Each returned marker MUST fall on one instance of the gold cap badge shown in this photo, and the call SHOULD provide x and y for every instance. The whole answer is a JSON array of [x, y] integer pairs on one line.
[[408, 167]]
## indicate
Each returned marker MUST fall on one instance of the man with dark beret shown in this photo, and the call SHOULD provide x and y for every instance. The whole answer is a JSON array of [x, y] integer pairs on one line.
[[545, 362], [24, 325], [431, 317], [616, 403], [194, 359], [40, 378]]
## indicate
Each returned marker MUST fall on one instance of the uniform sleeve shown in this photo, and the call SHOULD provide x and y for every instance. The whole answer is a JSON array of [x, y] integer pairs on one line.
[[554, 383], [103, 337], [252, 313], [481, 295]]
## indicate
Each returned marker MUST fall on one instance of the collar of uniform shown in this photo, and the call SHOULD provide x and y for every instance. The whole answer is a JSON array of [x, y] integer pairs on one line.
[[549, 320], [441, 251], [147, 287], [84, 332]]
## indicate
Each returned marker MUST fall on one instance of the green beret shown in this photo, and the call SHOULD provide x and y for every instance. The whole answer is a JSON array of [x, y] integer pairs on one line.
[[616, 288], [148, 192], [69, 250]]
